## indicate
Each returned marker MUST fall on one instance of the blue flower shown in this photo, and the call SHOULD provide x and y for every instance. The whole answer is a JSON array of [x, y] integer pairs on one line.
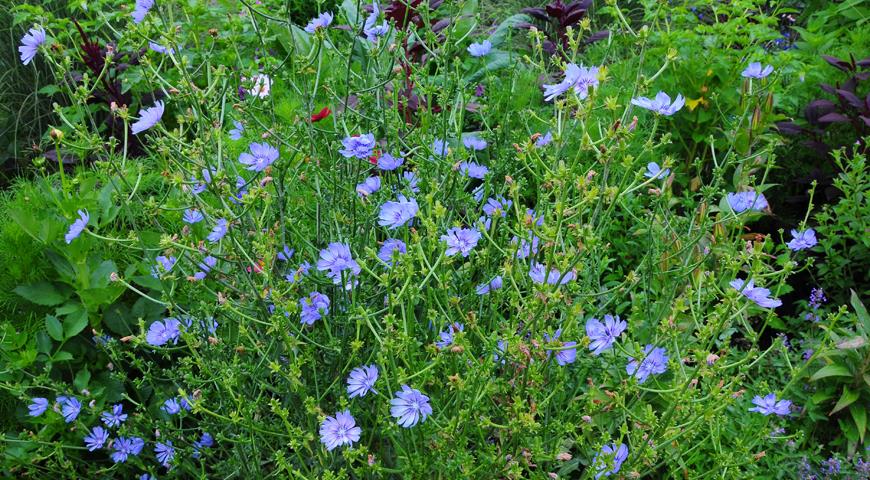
[[339, 430], [803, 240], [286, 254], [661, 104], [544, 140], [165, 452], [497, 206], [655, 362], [148, 117], [362, 380], [473, 170], [602, 335], [526, 247], [321, 21], [124, 447], [460, 240], [77, 227], [298, 273], [759, 295], [30, 43], [174, 406], [141, 9], [410, 407], [754, 70], [391, 245], [440, 148], [96, 438], [115, 417], [237, 131], [447, 335], [200, 187], [360, 146], [769, 406], [70, 407], [411, 179], [610, 465], [218, 231], [368, 186], [564, 356], [580, 78], [473, 142], [389, 162], [37, 406], [313, 308], [396, 214], [370, 29], [480, 49], [156, 47], [653, 170], [335, 259], [750, 200], [205, 267], [161, 332], [206, 441], [490, 286], [538, 273], [192, 216], [167, 263], [262, 155]]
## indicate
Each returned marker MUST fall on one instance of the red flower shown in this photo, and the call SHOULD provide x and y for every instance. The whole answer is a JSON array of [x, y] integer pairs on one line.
[[321, 115], [374, 158]]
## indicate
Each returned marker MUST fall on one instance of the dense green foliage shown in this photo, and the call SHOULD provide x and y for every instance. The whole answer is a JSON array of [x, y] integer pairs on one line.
[[221, 267]]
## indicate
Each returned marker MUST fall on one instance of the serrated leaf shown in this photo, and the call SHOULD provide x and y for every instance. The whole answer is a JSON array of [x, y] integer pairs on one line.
[[41, 293], [53, 327], [847, 398], [833, 370]]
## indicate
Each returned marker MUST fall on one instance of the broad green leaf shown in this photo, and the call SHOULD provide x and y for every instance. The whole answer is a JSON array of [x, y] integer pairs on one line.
[[62, 357], [82, 378], [74, 323], [833, 370], [859, 415], [53, 327], [100, 274], [504, 28], [847, 398], [42, 293]]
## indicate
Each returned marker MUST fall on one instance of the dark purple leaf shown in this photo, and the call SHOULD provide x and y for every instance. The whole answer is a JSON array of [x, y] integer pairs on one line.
[[864, 63], [836, 62], [440, 25], [864, 119], [817, 108], [789, 128], [862, 76], [572, 18], [538, 13], [434, 4], [828, 88], [597, 36], [850, 98], [556, 9], [549, 47], [524, 25], [833, 117]]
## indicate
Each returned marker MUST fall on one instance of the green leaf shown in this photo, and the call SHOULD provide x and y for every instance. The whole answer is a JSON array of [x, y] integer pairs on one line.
[[847, 398], [861, 311], [833, 370], [74, 323], [100, 275], [62, 357], [53, 327], [859, 415], [41, 293], [504, 28], [48, 90], [82, 379]]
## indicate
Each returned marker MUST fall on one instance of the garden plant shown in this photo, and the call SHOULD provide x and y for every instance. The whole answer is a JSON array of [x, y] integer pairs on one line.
[[435, 239]]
